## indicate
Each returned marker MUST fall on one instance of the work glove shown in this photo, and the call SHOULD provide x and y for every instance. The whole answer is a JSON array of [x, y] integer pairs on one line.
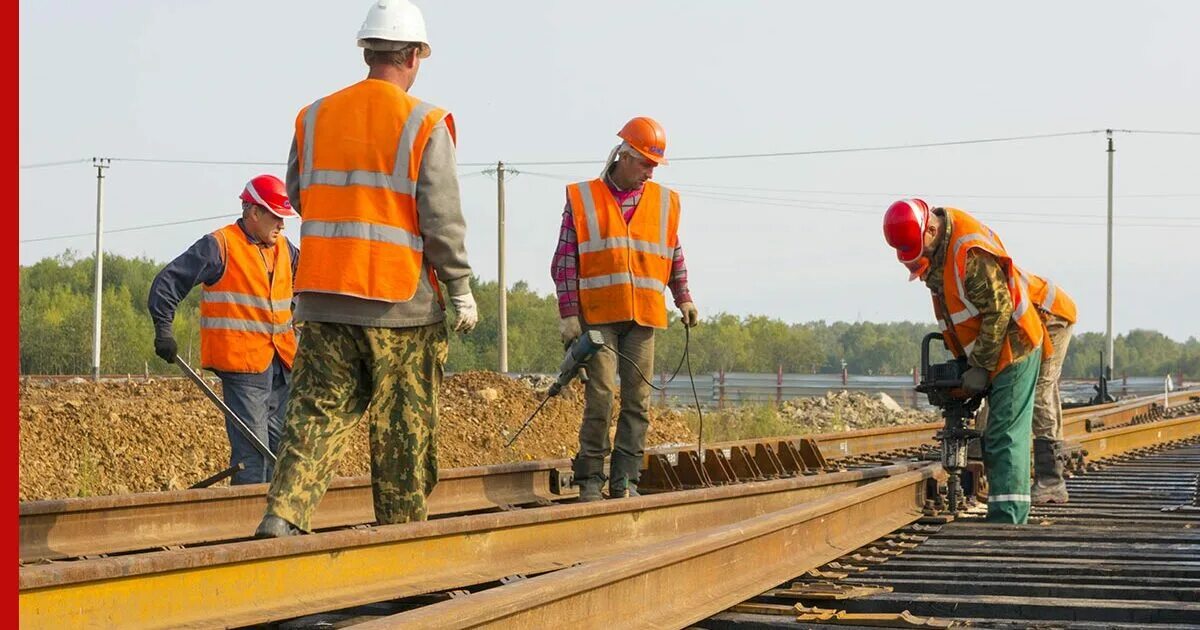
[[166, 348], [690, 316], [466, 314], [975, 380], [570, 329]]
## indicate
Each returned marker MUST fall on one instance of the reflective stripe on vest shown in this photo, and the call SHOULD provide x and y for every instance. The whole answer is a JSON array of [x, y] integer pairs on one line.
[[962, 319], [245, 325], [360, 233], [397, 181], [595, 242], [246, 316], [363, 231], [624, 266]]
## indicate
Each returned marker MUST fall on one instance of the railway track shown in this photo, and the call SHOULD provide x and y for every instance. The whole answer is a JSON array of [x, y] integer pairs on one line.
[[98, 526], [825, 514], [822, 546], [1124, 553]]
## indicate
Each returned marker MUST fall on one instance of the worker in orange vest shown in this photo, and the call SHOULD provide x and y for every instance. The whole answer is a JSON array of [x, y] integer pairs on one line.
[[372, 170], [618, 251], [246, 334], [982, 303], [1058, 313]]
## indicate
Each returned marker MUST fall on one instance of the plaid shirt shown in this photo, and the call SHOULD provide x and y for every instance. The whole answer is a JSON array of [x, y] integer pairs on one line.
[[564, 268]]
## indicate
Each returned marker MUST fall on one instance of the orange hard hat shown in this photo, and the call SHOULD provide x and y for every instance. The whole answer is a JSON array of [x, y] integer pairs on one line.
[[647, 137]]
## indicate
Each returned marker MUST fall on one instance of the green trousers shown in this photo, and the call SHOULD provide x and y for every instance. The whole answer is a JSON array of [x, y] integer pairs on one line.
[[1007, 440], [343, 374]]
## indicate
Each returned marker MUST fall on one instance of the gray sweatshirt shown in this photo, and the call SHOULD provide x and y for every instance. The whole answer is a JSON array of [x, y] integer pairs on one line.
[[439, 215]]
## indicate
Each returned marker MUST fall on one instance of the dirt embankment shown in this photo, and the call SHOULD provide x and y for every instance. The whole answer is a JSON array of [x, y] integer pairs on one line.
[[83, 439]]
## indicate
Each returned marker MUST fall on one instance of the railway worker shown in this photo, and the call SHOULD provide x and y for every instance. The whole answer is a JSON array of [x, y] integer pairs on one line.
[[983, 304], [1058, 313], [246, 334], [372, 170], [618, 250]]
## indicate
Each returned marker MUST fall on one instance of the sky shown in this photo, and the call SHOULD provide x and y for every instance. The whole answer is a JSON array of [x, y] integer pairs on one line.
[[793, 237]]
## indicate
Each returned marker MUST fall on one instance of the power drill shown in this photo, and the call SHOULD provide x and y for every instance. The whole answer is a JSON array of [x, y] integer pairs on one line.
[[579, 353], [942, 384]]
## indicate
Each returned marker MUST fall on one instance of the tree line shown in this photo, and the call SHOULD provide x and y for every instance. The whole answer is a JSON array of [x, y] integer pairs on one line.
[[56, 309]]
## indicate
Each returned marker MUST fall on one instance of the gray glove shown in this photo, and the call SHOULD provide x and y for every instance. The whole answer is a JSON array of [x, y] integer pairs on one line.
[[689, 314], [975, 380], [570, 328]]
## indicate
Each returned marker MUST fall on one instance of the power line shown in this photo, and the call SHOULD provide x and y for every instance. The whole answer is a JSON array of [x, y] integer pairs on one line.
[[58, 163], [1160, 133], [910, 194], [129, 229], [198, 162], [890, 147]]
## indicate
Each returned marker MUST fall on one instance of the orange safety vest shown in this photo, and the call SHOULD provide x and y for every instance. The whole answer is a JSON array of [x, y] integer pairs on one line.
[[624, 267], [1050, 298], [360, 153], [246, 316], [958, 318]]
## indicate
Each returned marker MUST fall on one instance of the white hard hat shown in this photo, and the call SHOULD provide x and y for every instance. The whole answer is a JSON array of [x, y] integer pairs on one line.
[[393, 21]]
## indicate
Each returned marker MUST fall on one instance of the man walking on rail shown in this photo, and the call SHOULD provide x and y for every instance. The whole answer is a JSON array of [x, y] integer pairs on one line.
[[246, 334], [983, 304], [372, 170], [1058, 313], [618, 250]]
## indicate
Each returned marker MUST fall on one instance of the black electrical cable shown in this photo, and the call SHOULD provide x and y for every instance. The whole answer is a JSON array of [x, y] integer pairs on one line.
[[685, 359]]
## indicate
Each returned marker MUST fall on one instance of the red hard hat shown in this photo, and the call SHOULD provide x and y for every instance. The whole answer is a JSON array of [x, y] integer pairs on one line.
[[904, 229], [269, 192]]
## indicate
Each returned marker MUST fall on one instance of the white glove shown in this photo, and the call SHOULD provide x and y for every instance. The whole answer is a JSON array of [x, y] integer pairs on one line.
[[690, 315], [570, 329], [466, 313]]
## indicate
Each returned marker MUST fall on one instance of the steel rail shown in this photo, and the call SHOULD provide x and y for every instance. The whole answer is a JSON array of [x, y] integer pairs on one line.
[[72, 528], [675, 583], [81, 527], [262, 580], [1122, 440]]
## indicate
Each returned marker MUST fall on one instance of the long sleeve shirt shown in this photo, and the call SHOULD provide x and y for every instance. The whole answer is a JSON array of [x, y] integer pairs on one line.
[[986, 288], [200, 264], [564, 267], [443, 228]]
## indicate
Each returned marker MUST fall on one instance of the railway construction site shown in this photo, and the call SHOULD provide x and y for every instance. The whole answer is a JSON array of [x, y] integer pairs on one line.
[[846, 529]]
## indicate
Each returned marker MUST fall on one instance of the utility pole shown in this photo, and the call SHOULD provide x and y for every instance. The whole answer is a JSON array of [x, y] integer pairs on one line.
[[500, 280], [100, 164], [1108, 329]]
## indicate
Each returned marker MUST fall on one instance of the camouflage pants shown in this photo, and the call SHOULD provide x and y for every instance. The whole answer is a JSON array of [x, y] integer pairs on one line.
[[344, 373]]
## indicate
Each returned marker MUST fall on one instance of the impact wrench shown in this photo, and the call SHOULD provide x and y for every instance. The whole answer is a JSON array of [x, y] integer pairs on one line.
[[237, 422], [585, 347], [942, 383]]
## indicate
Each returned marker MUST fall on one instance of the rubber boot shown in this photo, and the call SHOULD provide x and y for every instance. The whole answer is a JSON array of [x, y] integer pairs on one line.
[[626, 471], [275, 527], [1048, 485]]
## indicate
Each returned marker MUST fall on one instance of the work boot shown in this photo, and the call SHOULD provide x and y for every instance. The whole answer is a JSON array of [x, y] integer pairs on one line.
[[1048, 485], [625, 474], [622, 488], [589, 489], [275, 527]]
